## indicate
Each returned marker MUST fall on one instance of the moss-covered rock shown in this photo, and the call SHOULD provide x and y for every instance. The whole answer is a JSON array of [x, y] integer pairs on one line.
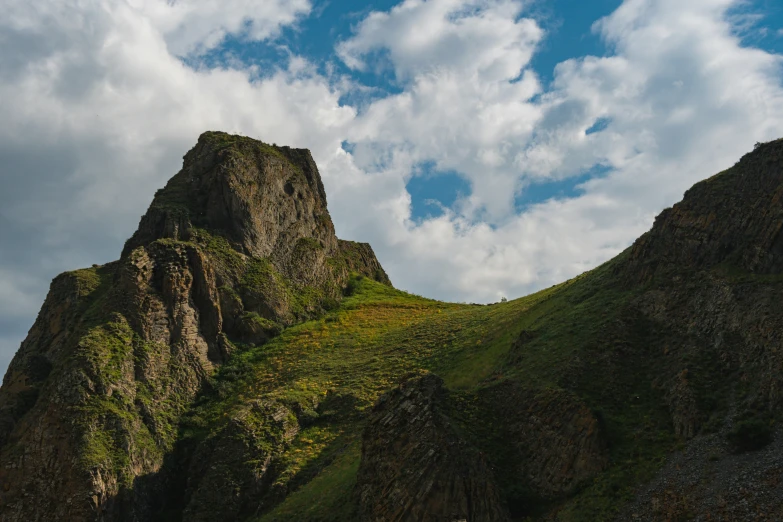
[[236, 247]]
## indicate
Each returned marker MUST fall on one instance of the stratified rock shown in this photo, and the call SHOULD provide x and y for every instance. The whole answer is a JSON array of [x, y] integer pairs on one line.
[[415, 467]]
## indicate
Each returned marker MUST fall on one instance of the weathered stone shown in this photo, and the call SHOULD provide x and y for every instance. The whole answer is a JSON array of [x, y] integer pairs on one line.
[[261, 198], [415, 466], [555, 439]]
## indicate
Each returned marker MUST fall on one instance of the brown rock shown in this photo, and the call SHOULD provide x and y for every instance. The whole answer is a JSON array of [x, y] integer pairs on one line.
[[415, 467], [261, 198]]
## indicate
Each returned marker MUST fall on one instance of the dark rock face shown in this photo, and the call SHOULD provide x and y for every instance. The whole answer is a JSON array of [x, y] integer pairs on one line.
[[734, 217], [237, 246], [700, 263], [710, 273], [717, 342], [415, 467], [555, 441]]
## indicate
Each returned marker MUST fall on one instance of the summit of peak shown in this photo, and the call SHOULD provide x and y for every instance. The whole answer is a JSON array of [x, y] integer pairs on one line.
[[262, 198]]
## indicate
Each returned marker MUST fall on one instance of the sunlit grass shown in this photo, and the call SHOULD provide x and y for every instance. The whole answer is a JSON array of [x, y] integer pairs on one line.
[[334, 369]]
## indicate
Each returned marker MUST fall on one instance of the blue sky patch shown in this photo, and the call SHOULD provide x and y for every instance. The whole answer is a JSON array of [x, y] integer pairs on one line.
[[431, 190], [759, 24], [568, 25], [560, 189], [569, 33], [599, 125], [316, 38]]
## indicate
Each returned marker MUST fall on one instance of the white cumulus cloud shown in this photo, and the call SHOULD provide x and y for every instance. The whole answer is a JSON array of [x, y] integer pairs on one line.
[[682, 97], [195, 26], [98, 110]]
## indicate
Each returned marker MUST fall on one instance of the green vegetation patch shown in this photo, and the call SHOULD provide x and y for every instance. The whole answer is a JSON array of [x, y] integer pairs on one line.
[[329, 497], [87, 280], [106, 349], [379, 334], [331, 370]]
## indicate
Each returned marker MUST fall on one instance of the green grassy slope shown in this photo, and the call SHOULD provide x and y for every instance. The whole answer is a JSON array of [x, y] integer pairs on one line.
[[336, 368], [333, 369], [654, 345]]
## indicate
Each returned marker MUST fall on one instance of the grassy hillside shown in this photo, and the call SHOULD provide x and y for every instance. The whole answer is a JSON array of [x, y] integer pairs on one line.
[[330, 371], [335, 368], [194, 380]]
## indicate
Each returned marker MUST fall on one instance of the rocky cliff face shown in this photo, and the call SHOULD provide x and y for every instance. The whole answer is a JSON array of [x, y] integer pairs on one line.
[[236, 247], [733, 218], [710, 271]]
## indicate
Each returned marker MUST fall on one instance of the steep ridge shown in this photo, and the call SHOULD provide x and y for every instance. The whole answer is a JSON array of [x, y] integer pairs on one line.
[[216, 372], [712, 270], [236, 247]]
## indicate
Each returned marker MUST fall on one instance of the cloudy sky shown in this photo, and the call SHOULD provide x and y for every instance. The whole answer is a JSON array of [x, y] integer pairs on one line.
[[485, 148]]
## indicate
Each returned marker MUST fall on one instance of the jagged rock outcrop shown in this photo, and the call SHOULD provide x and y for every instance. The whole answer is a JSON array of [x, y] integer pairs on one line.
[[261, 211], [146, 389], [261, 198], [416, 467], [237, 246]]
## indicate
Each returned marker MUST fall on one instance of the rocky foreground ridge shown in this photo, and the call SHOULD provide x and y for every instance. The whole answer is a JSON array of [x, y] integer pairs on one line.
[[239, 362]]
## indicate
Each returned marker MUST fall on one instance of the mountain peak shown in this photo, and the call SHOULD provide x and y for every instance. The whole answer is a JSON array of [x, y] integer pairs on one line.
[[261, 198], [235, 248], [169, 386]]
